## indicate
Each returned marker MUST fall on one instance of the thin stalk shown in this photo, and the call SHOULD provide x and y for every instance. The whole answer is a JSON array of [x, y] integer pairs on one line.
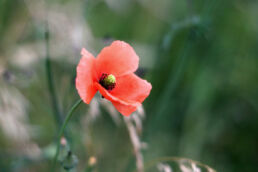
[[51, 88], [67, 119], [136, 144]]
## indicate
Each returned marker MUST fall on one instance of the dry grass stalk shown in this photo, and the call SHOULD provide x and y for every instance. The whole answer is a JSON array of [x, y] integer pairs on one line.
[[134, 131]]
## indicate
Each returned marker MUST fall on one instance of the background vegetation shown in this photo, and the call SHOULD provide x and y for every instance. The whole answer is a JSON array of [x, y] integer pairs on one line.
[[199, 55]]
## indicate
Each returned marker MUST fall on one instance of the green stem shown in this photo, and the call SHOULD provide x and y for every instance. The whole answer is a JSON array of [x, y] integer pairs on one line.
[[51, 88], [67, 118]]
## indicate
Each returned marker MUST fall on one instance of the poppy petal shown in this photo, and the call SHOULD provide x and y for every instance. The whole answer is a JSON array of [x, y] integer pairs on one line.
[[131, 88], [124, 107], [86, 76], [118, 59]]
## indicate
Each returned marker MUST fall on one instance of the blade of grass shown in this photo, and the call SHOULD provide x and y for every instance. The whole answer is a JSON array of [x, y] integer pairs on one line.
[[50, 81]]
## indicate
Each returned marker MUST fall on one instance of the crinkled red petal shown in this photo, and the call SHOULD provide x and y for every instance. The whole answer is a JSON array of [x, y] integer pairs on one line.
[[118, 59], [86, 76], [123, 106]]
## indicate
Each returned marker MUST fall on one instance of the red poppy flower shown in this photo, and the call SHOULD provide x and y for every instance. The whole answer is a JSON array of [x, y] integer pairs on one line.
[[112, 74]]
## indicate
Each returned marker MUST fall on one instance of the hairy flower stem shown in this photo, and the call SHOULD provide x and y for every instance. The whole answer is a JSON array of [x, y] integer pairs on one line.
[[67, 118], [56, 110]]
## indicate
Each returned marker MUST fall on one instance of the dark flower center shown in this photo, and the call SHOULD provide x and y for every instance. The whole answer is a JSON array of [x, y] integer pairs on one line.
[[108, 81]]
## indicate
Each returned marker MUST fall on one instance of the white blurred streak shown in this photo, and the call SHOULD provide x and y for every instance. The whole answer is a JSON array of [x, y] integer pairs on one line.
[[192, 168], [112, 111], [141, 112], [133, 124], [119, 6], [32, 150], [25, 55], [164, 168], [91, 115], [37, 10], [13, 116], [138, 123], [183, 168], [68, 29], [137, 118], [136, 144], [93, 112], [133, 130], [210, 169], [14, 121], [195, 168]]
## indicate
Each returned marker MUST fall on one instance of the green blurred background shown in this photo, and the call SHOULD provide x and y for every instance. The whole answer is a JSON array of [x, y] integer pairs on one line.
[[200, 56]]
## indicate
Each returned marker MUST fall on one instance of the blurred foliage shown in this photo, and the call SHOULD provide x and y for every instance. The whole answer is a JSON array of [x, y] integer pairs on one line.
[[200, 56]]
